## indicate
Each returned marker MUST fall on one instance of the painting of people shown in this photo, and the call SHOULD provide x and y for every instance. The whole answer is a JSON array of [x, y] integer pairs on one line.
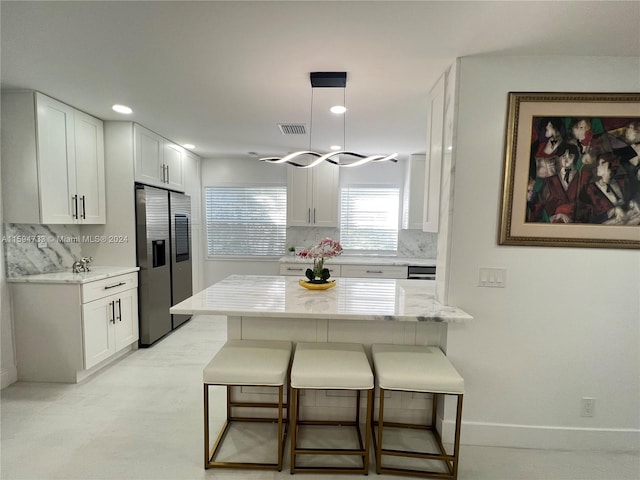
[[572, 170], [584, 170]]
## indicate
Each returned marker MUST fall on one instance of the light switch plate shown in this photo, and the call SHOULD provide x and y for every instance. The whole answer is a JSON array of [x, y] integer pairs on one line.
[[492, 277]]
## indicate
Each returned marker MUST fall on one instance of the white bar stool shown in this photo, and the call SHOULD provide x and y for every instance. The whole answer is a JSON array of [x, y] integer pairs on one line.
[[412, 368], [261, 363], [331, 366]]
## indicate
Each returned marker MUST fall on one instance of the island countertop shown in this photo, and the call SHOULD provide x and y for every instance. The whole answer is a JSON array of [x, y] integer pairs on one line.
[[350, 299]]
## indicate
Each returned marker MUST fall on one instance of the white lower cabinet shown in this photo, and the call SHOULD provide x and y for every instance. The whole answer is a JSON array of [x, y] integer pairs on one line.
[[374, 271], [298, 269], [67, 331], [347, 271], [108, 325]]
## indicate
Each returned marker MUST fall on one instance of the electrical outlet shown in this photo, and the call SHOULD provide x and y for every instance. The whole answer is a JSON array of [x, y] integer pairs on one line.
[[588, 407]]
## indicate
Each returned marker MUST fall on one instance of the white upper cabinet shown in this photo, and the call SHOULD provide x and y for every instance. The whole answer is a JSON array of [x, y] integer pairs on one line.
[[413, 195], [52, 162], [149, 167], [312, 196], [158, 161], [192, 186], [433, 166], [90, 175], [174, 165]]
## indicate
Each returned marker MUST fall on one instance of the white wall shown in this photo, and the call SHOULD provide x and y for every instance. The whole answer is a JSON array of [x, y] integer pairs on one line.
[[567, 324]]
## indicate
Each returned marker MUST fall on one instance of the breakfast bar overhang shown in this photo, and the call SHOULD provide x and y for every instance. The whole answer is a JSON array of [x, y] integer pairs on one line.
[[356, 310]]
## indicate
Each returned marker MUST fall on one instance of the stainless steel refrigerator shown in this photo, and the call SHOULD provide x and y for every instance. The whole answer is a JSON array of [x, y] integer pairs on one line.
[[163, 246]]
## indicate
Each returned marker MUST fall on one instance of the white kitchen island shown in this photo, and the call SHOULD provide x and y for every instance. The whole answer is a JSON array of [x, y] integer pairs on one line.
[[358, 310]]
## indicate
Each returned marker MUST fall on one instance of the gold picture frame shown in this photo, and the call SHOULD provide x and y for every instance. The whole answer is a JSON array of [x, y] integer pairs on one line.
[[572, 170]]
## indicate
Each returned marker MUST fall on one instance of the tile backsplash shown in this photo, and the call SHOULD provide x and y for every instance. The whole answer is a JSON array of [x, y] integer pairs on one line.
[[411, 243], [26, 253]]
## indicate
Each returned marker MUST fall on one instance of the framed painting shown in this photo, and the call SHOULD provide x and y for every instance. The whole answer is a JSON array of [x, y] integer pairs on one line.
[[572, 170]]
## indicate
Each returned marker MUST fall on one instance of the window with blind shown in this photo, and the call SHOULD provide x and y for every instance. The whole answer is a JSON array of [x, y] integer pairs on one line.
[[246, 221], [369, 218]]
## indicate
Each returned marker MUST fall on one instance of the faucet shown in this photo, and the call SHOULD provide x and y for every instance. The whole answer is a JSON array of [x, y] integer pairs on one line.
[[85, 261], [82, 265], [77, 267]]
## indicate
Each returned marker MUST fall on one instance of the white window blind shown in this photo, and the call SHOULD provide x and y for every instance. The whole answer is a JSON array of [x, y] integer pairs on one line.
[[369, 218], [246, 221]]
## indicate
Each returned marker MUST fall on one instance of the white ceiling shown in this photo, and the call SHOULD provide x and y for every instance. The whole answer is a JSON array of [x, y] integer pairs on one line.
[[222, 75]]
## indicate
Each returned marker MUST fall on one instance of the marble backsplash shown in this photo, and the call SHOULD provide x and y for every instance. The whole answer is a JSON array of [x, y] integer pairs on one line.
[[26, 253], [411, 243]]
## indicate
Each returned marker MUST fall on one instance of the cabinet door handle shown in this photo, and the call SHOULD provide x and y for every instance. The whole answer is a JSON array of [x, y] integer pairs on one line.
[[84, 211], [309, 215], [75, 208], [119, 310], [113, 312], [290, 269], [168, 181], [314, 215], [374, 271], [107, 287]]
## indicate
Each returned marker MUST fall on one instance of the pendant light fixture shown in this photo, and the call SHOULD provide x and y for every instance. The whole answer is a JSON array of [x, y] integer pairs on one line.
[[330, 80]]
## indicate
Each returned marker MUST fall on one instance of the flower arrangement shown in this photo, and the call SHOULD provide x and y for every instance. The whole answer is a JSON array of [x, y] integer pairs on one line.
[[325, 249]]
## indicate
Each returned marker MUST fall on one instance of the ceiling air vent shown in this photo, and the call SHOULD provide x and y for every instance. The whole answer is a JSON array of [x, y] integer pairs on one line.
[[292, 128]]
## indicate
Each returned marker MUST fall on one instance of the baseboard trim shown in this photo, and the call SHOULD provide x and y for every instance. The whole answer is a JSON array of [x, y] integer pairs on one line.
[[8, 376], [545, 437]]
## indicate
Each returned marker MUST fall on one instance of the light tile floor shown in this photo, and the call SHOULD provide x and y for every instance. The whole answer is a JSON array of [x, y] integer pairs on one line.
[[142, 419]]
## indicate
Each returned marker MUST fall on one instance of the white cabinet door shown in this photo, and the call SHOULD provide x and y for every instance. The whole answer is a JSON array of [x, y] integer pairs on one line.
[[89, 152], [298, 197], [433, 166], [312, 196], [413, 195], [56, 161], [126, 324], [191, 171], [325, 195], [149, 166], [299, 269], [374, 271], [109, 324], [173, 165], [98, 320]]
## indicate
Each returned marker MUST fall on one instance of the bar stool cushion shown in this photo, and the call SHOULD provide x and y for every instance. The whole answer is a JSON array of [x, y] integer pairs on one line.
[[415, 368], [328, 366], [249, 362]]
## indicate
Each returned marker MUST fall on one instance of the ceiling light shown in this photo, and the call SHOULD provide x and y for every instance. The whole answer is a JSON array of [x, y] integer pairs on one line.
[[122, 109], [189, 146], [330, 80], [335, 147]]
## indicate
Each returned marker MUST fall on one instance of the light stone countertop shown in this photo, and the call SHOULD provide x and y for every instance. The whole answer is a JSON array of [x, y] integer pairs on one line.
[[364, 260], [350, 299], [96, 273]]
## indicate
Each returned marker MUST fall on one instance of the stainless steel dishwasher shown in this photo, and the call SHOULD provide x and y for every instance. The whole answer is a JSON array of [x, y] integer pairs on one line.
[[421, 272]]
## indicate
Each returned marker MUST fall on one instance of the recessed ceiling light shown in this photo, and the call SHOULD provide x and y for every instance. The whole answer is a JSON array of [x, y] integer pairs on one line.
[[122, 109], [335, 147], [338, 109], [189, 146]]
